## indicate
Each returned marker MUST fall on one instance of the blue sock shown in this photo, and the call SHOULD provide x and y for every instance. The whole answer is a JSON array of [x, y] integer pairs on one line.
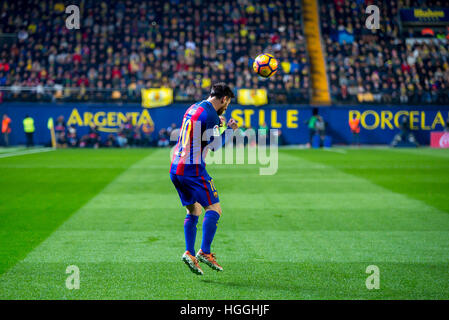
[[190, 232], [209, 227]]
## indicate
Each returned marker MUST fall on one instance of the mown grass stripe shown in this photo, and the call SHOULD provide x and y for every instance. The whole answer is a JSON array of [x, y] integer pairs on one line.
[[35, 202], [280, 237]]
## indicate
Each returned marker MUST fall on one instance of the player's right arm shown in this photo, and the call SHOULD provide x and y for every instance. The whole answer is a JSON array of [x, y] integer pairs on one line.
[[217, 141], [233, 124]]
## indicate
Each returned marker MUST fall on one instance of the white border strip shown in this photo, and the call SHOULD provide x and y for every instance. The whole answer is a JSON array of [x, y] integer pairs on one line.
[[341, 151], [25, 152]]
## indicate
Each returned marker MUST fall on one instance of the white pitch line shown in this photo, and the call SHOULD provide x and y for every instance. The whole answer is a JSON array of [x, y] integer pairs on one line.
[[11, 149], [342, 151], [25, 152]]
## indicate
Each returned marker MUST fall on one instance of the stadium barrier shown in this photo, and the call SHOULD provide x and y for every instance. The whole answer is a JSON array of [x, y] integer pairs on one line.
[[439, 139], [378, 124]]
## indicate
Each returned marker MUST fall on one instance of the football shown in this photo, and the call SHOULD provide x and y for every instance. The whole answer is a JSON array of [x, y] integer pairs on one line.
[[265, 65]]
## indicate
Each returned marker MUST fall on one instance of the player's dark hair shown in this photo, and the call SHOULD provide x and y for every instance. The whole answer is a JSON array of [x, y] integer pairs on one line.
[[221, 90]]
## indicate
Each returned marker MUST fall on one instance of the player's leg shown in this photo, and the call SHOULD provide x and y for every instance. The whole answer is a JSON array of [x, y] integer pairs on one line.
[[190, 222], [207, 196], [210, 224], [193, 211]]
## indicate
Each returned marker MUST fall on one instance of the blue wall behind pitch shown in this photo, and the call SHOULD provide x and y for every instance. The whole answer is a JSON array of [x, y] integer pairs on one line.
[[379, 123]]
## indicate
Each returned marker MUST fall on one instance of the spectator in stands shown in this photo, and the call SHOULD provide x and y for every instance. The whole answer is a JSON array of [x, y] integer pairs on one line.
[[61, 141], [147, 130], [240, 143], [263, 133], [171, 128], [6, 129], [28, 128], [60, 132], [163, 140], [151, 43], [121, 138], [171, 131], [83, 141], [354, 125], [281, 138], [320, 128], [384, 67], [128, 131], [72, 137], [137, 137], [251, 134], [94, 139], [111, 141], [311, 126], [405, 135]]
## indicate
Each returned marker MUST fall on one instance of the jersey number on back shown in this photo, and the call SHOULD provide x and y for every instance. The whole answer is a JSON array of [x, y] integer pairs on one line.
[[185, 134]]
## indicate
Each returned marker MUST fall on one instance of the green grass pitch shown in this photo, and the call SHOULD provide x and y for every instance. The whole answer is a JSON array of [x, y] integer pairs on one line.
[[308, 232]]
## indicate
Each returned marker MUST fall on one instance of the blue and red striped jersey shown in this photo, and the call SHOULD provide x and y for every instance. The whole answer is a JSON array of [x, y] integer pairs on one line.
[[187, 156]]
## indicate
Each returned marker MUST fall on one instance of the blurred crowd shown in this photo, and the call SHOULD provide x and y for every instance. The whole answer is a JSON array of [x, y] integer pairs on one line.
[[381, 65], [424, 3], [124, 46]]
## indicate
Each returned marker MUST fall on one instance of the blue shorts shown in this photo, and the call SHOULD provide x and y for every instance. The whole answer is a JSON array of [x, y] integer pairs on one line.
[[195, 189]]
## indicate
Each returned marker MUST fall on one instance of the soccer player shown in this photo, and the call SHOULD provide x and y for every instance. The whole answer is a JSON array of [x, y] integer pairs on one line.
[[190, 178]]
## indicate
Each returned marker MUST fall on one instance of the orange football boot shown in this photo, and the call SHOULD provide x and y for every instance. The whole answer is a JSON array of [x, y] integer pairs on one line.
[[192, 263], [208, 259]]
